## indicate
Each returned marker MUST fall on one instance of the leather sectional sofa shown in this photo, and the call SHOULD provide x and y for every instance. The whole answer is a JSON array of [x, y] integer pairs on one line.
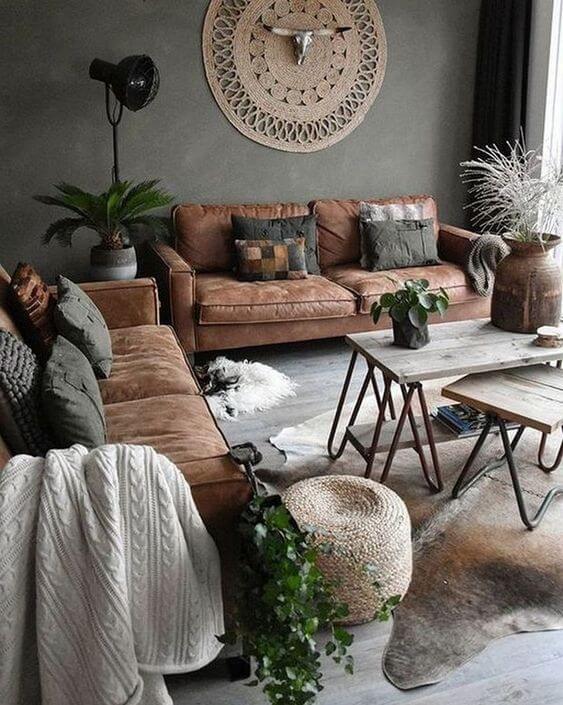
[[152, 398], [211, 310]]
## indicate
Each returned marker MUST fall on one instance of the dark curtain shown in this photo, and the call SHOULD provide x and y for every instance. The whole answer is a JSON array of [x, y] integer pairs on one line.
[[502, 71]]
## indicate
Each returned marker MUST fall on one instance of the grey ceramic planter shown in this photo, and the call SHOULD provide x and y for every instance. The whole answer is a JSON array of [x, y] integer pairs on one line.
[[106, 265], [405, 335]]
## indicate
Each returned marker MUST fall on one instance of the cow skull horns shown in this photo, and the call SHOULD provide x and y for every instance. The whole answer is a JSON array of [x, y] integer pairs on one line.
[[303, 38]]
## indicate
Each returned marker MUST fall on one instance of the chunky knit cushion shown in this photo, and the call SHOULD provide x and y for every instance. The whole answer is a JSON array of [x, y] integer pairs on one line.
[[33, 307], [79, 320], [20, 377]]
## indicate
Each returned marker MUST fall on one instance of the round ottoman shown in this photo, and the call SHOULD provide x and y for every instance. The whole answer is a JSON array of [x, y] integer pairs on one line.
[[368, 529]]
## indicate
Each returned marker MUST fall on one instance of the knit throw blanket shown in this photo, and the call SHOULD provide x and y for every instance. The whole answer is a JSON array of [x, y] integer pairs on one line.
[[485, 254], [108, 578]]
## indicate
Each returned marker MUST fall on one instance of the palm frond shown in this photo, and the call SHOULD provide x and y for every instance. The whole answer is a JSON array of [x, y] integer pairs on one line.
[[62, 230], [142, 226]]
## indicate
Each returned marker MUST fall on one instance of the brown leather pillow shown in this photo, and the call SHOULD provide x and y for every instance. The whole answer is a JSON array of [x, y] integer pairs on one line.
[[33, 309], [266, 260]]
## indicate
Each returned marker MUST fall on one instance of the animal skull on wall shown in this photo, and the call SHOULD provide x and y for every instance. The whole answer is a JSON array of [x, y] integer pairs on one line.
[[303, 38]]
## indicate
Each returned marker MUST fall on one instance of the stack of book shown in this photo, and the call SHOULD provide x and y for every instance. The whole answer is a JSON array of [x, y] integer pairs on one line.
[[463, 420]]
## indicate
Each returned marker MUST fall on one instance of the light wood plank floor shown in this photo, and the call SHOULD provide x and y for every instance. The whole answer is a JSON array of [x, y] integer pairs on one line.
[[525, 669]]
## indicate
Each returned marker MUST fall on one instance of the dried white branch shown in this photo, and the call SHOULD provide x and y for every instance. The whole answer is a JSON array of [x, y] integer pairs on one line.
[[511, 195]]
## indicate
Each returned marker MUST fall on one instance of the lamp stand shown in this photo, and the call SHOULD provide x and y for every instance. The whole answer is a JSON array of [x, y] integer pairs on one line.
[[114, 114]]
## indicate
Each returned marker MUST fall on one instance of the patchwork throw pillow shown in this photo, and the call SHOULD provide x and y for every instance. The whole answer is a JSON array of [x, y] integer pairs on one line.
[[392, 244], [279, 229], [20, 378], [71, 399], [33, 308], [265, 260], [79, 320]]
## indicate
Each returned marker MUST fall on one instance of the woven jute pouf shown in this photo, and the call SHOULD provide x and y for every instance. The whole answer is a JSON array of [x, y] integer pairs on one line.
[[366, 528]]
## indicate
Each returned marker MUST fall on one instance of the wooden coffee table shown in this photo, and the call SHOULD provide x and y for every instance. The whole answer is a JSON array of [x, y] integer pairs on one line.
[[531, 396], [457, 348]]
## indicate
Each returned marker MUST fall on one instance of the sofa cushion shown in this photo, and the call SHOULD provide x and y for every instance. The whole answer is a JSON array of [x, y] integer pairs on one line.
[[78, 318], [304, 226], [33, 306], [338, 229], [270, 260], [178, 426], [70, 398], [221, 298], [369, 286], [204, 234], [147, 361]]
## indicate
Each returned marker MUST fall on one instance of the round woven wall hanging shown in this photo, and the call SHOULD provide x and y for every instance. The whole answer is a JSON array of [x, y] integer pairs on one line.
[[258, 84]]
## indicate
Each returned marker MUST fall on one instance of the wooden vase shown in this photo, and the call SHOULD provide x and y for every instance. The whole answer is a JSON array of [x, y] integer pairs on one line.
[[527, 291]]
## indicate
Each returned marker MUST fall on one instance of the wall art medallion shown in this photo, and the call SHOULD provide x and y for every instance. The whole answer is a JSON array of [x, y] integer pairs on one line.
[[288, 87]]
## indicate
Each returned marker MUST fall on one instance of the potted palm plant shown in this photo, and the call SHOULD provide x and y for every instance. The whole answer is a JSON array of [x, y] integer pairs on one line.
[[518, 195], [409, 309], [120, 218]]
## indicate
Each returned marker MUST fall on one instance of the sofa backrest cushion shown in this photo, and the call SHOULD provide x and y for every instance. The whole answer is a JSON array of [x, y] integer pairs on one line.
[[204, 232], [338, 228]]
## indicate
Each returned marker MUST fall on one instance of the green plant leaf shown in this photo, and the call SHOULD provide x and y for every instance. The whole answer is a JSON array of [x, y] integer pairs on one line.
[[399, 312], [418, 316], [441, 305], [426, 301], [376, 312], [387, 300], [62, 230]]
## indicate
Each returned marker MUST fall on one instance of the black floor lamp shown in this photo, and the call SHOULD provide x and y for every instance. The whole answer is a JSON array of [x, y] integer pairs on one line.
[[134, 82]]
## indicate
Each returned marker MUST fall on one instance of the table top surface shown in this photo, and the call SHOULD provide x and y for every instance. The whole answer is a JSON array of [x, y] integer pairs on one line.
[[458, 348], [532, 395]]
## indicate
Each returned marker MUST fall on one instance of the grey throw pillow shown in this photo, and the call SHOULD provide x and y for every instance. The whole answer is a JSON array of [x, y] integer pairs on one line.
[[393, 244], [71, 398], [20, 412], [279, 229], [79, 320]]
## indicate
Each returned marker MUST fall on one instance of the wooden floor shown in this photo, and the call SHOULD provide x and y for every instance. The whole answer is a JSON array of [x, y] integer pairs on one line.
[[525, 669]]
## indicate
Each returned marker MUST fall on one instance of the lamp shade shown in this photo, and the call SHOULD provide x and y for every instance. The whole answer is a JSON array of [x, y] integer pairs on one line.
[[134, 80]]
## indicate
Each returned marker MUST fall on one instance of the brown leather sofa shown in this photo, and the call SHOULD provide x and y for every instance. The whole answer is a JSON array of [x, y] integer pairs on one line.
[[152, 398], [211, 310]]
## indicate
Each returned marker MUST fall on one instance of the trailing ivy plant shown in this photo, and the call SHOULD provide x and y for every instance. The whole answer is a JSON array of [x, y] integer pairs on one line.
[[284, 602], [414, 302]]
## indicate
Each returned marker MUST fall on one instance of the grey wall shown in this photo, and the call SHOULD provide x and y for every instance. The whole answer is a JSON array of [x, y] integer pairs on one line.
[[52, 125]]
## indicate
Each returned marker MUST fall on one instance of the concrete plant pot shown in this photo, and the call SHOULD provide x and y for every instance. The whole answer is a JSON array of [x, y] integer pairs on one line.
[[106, 265]]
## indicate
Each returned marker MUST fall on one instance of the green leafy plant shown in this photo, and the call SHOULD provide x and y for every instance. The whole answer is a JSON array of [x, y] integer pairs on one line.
[[284, 602], [414, 302], [119, 215]]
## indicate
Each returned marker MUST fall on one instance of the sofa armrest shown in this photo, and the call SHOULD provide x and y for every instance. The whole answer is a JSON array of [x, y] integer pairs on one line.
[[176, 284], [127, 303], [454, 244]]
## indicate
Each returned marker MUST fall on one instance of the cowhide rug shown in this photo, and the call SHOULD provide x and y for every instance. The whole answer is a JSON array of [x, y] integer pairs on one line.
[[478, 573]]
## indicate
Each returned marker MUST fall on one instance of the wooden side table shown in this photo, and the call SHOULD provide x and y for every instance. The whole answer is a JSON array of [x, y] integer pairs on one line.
[[456, 348], [531, 396]]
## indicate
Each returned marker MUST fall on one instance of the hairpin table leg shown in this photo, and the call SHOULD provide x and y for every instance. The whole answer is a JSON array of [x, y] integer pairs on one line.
[[558, 459], [461, 486], [530, 523]]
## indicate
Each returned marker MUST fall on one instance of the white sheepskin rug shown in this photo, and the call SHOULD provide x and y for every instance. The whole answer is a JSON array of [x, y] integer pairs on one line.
[[234, 388]]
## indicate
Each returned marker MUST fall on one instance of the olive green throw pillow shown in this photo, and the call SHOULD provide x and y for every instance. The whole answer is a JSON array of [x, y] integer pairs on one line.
[[71, 399], [392, 244], [79, 320], [280, 229]]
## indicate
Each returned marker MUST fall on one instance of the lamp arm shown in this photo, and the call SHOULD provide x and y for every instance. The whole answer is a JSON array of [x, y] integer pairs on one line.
[[114, 115]]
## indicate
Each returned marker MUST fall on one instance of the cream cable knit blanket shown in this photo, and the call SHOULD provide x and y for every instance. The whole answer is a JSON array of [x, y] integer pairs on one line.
[[108, 578]]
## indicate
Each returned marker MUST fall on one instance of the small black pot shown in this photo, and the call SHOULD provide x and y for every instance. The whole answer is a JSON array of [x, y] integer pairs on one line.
[[405, 335]]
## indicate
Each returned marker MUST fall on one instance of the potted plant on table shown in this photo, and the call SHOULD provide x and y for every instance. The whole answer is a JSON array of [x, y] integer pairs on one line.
[[409, 309], [120, 218], [519, 196]]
